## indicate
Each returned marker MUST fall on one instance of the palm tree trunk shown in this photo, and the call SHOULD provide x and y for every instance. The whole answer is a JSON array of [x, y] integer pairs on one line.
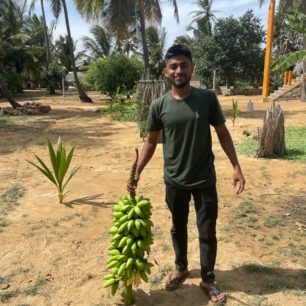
[[51, 87], [82, 95], [6, 92], [143, 37]]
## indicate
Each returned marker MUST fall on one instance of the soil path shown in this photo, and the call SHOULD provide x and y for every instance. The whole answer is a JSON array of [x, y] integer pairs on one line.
[[54, 254]]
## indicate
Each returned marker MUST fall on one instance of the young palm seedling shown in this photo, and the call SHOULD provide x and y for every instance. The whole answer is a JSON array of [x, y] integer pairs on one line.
[[234, 111], [130, 244], [60, 163]]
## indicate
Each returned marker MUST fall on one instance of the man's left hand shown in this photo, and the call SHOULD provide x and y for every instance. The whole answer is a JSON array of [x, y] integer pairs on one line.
[[238, 180]]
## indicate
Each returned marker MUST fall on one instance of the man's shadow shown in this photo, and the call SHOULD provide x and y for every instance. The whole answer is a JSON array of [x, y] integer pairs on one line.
[[250, 279]]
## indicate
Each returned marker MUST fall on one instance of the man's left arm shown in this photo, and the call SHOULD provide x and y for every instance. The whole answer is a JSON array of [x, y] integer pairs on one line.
[[227, 145]]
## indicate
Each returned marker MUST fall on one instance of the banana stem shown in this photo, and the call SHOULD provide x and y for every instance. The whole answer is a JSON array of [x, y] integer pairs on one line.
[[128, 295], [132, 175]]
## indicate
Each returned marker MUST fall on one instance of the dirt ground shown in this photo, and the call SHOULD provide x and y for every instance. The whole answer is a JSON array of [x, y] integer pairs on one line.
[[55, 254]]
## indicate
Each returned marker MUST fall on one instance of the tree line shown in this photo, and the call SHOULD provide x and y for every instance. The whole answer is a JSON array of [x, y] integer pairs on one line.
[[129, 33]]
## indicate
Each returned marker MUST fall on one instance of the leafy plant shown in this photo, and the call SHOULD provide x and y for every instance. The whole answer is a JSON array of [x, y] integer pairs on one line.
[[296, 20], [60, 164], [115, 74], [234, 110]]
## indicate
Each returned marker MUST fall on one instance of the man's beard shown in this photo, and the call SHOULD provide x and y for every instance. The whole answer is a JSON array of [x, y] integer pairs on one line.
[[179, 84]]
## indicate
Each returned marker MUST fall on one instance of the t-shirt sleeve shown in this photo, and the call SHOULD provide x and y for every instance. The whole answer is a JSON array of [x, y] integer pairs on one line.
[[153, 121], [217, 116]]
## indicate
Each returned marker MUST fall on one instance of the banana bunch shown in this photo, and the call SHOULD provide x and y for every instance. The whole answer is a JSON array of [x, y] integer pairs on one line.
[[131, 241]]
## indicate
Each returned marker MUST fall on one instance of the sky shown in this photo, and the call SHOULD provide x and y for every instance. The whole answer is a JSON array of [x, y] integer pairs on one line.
[[222, 8]]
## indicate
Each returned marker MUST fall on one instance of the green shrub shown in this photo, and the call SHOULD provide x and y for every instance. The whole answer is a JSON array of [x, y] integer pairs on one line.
[[115, 74], [122, 109]]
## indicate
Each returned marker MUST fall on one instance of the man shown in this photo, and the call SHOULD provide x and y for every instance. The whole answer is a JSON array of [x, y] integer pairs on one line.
[[184, 116]]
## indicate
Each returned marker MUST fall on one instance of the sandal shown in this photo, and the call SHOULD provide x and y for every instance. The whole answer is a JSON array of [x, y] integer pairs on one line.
[[214, 293], [174, 282]]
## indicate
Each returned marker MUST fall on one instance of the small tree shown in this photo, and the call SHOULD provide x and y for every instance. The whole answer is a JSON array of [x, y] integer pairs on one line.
[[60, 164], [116, 74]]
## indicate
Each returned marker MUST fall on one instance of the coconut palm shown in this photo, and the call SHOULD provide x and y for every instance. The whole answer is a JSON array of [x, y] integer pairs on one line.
[[121, 17], [13, 52], [57, 6], [5, 7], [183, 40], [204, 17], [47, 40], [100, 45], [156, 44]]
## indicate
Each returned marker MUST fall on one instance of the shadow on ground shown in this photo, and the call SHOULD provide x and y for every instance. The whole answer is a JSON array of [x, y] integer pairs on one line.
[[94, 200]]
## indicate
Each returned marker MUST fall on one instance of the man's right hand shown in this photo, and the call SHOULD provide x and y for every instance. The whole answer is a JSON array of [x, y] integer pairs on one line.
[[131, 186]]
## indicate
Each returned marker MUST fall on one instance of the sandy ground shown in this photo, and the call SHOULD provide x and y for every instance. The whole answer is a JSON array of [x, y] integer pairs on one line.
[[55, 254]]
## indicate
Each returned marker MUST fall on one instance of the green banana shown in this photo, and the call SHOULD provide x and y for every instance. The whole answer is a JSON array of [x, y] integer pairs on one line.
[[131, 240]]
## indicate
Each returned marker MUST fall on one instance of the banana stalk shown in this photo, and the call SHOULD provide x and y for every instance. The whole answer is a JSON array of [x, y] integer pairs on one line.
[[130, 243]]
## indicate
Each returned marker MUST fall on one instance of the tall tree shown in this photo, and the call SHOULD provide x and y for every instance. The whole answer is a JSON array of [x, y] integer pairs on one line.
[[6, 92], [122, 16], [234, 50], [8, 23], [100, 44], [47, 41], [57, 6], [204, 18], [156, 44]]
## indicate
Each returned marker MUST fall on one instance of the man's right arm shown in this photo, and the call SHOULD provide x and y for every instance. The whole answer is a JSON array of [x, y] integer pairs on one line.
[[147, 152]]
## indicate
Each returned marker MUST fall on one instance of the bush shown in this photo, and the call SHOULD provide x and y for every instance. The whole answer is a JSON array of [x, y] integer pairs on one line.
[[14, 82], [122, 109], [115, 74]]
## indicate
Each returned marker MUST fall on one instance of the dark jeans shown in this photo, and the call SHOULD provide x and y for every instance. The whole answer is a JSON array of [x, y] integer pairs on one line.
[[206, 206]]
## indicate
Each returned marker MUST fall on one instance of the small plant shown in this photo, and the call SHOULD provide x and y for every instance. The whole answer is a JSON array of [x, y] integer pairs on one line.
[[60, 164], [234, 110], [34, 288]]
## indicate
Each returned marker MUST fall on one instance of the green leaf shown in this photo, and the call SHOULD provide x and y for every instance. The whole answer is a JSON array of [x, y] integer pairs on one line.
[[53, 159], [297, 20], [287, 61], [62, 163], [68, 160], [47, 173], [71, 175]]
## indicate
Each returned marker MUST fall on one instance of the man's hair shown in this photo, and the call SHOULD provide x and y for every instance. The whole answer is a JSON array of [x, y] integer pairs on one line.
[[178, 50]]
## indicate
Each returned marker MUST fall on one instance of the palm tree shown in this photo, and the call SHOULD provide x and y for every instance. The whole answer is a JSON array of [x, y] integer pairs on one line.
[[122, 16], [183, 40], [204, 17], [100, 45], [47, 41], [6, 92], [156, 44], [7, 13], [57, 6]]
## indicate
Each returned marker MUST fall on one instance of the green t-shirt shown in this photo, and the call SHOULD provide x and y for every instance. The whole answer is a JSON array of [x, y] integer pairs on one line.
[[187, 144]]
